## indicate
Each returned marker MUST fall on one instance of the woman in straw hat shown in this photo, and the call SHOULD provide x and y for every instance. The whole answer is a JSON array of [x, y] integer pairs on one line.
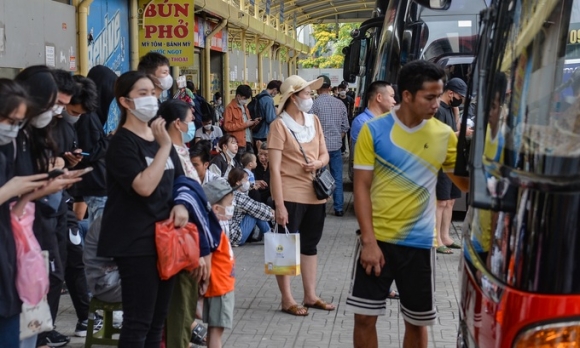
[[297, 206]]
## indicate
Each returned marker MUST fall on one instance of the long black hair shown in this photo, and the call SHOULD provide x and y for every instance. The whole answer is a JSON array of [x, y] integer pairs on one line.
[[172, 110], [12, 95], [124, 86], [41, 87], [43, 91]]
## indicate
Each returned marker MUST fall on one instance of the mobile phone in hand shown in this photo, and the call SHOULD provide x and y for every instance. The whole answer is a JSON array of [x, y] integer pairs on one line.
[[55, 173]]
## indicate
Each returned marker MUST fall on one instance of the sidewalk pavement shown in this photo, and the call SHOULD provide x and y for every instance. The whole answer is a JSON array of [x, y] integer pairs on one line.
[[258, 321]]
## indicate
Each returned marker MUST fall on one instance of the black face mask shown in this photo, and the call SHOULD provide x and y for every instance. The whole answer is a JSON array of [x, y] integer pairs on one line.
[[455, 102]]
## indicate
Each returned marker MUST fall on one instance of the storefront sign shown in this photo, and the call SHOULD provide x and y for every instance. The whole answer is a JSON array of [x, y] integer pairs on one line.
[[108, 26], [168, 28], [219, 42]]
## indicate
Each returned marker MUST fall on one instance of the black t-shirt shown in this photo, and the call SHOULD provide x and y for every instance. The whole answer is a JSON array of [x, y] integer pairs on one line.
[[261, 173], [349, 104], [128, 225]]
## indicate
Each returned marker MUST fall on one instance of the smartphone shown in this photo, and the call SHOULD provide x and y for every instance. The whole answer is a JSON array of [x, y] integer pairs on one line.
[[55, 173], [82, 172], [78, 154]]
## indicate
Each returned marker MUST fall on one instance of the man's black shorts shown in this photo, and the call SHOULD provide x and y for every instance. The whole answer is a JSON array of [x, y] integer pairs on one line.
[[413, 270], [445, 189]]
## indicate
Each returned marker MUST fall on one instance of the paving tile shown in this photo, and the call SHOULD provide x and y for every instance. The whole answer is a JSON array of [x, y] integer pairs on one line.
[[258, 321]]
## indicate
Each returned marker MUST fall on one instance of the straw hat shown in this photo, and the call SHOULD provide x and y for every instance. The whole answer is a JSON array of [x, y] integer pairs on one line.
[[294, 84]]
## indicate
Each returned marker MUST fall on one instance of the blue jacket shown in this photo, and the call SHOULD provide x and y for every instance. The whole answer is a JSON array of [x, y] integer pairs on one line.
[[189, 193], [267, 112]]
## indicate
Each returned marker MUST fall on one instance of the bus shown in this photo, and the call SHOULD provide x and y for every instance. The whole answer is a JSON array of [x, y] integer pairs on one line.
[[520, 268]]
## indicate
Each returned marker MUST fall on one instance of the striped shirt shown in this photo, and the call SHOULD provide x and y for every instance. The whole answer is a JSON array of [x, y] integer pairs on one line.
[[333, 117]]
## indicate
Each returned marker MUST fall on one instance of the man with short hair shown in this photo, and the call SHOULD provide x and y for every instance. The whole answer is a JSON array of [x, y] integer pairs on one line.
[[381, 99], [157, 65], [452, 97], [200, 158], [396, 160], [266, 110], [237, 120], [332, 115]]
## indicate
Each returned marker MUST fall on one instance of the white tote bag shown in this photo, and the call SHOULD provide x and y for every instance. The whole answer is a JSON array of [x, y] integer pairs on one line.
[[35, 319], [282, 253]]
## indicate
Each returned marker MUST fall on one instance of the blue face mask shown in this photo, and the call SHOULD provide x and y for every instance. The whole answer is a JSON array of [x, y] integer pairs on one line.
[[190, 134]]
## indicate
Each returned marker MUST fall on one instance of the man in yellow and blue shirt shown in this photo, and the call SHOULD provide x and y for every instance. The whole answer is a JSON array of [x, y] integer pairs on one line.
[[396, 161]]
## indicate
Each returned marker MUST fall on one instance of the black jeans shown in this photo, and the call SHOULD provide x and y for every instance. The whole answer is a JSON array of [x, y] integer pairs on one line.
[[76, 280], [145, 301]]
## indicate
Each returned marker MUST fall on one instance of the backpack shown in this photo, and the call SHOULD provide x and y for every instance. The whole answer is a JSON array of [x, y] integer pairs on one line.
[[205, 108], [254, 109]]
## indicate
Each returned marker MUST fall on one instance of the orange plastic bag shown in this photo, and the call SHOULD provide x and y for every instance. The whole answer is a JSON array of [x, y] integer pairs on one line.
[[177, 248]]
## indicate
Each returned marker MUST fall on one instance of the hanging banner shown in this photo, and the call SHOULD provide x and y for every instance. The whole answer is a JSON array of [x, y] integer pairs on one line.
[[168, 28], [108, 26], [281, 11], [294, 26], [268, 4]]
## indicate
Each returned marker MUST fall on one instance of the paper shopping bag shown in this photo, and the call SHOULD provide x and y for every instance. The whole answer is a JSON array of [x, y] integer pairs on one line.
[[35, 319], [282, 253]]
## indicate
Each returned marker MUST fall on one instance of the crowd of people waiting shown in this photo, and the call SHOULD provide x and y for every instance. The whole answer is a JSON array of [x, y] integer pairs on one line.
[[103, 158]]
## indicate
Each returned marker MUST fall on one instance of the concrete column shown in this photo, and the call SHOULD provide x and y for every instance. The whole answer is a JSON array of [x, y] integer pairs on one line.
[[244, 50]]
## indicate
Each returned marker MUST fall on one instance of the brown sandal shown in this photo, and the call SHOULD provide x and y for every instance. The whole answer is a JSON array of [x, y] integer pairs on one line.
[[295, 310], [320, 304]]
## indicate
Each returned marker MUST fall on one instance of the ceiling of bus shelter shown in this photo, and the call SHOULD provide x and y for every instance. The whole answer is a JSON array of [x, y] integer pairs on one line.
[[324, 11]]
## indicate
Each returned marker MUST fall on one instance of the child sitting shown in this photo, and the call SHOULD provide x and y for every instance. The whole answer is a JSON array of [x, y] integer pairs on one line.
[[249, 163], [218, 307]]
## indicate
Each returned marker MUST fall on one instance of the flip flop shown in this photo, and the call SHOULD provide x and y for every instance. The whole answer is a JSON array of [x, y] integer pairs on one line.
[[320, 304], [444, 250], [295, 310], [454, 246]]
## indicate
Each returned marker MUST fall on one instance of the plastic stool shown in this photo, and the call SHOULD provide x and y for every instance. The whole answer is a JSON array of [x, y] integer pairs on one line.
[[105, 335]]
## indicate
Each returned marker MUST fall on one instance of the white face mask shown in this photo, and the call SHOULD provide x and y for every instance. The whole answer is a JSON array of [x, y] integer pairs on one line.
[[145, 108], [304, 105], [230, 153], [42, 120], [228, 212], [57, 110], [208, 127], [245, 186], [342, 93], [243, 102], [8, 133], [70, 119], [166, 82]]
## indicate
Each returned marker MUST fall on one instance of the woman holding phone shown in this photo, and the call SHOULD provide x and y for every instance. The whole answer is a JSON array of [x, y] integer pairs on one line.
[[141, 166]]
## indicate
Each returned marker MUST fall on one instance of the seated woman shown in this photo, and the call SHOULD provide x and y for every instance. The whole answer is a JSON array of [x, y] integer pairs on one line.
[[248, 213], [223, 163], [262, 174]]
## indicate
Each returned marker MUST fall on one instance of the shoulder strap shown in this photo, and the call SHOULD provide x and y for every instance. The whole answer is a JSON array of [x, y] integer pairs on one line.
[[301, 149]]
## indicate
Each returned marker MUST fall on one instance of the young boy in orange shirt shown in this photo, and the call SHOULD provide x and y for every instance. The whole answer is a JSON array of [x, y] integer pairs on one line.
[[218, 307]]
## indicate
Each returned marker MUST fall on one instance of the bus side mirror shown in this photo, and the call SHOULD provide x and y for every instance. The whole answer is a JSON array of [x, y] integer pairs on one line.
[[351, 67], [435, 4]]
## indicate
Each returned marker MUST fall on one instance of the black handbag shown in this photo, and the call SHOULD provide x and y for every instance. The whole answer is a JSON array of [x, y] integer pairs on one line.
[[323, 181]]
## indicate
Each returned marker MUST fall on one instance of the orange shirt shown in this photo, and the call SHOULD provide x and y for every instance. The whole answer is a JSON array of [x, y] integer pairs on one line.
[[234, 122], [222, 278]]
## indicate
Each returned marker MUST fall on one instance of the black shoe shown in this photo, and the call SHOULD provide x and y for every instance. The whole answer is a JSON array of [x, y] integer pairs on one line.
[[338, 213], [56, 339], [82, 326]]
